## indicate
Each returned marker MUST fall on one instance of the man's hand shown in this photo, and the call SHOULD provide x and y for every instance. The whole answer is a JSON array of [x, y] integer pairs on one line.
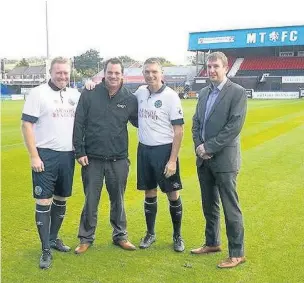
[[206, 156], [37, 164], [83, 161], [90, 85], [201, 152], [170, 169]]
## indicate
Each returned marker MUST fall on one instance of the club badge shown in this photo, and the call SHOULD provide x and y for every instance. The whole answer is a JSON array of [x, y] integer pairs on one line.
[[158, 103]]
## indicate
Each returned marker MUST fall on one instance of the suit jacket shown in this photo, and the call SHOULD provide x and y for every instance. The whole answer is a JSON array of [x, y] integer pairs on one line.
[[222, 128]]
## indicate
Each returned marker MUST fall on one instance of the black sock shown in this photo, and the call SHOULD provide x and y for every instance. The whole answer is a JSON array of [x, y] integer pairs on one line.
[[57, 214], [176, 211], [43, 213], [150, 213]]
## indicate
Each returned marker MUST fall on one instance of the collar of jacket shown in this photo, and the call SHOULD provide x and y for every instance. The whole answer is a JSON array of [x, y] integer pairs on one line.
[[211, 86]]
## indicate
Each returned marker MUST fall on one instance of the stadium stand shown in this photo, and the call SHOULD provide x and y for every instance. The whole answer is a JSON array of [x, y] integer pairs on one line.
[[269, 59], [276, 66]]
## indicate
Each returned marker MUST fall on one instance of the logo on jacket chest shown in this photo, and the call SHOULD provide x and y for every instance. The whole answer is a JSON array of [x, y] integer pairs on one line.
[[121, 106]]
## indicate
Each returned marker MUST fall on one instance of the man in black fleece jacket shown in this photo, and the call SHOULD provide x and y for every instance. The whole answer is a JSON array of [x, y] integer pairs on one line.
[[100, 140]]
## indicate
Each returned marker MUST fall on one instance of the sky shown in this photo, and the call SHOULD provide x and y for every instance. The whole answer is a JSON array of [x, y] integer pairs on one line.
[[137, 28]]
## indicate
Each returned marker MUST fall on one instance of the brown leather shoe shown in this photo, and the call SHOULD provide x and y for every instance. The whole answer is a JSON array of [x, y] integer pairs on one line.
[[206, 250], [125, 244], [82, 248], [231, 262]]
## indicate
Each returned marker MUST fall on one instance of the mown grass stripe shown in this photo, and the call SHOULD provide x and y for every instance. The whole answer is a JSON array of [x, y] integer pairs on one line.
[[271, 132]]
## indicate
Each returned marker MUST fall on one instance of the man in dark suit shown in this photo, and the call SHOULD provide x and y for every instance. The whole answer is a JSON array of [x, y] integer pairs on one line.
[[217, 123]]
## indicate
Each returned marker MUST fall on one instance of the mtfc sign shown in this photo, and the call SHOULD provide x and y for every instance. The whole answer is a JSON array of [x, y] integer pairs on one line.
[[273, 36]]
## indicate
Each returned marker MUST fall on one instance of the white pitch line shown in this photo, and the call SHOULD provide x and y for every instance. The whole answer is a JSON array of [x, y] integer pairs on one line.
[[274, 122], [271, 105]]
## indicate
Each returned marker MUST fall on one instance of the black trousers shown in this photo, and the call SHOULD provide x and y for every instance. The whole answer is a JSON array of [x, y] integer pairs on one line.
[[115, 174], [216, 186]]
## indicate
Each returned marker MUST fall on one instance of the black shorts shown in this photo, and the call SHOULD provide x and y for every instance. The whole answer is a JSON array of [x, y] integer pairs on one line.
[[151, 162], [57, 177]]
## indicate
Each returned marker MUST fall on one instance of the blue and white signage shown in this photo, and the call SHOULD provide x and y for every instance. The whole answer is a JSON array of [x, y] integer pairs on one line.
[[259, 37]]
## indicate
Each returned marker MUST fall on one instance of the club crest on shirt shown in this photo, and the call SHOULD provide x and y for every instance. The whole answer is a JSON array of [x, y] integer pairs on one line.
[[158, 103], [71, 101]]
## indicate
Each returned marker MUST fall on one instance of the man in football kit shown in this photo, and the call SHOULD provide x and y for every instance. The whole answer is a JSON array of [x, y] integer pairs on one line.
[[47, 128], [160, 125]]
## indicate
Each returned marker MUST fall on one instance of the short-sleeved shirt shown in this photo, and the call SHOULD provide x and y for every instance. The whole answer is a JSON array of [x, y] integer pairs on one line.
[[52, 112], [157, 113]]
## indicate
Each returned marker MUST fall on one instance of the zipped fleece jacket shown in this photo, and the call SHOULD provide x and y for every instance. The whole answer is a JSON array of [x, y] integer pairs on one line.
[[100, 127]]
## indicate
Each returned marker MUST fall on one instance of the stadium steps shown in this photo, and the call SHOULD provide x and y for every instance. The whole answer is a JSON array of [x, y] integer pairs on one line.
[[273, 63], [235, 67]]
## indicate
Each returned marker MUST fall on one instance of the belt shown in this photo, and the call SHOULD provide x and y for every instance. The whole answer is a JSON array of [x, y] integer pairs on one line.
[[106, 158]]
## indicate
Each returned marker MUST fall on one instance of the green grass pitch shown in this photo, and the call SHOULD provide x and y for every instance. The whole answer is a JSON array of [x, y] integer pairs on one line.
[[270, 186]]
